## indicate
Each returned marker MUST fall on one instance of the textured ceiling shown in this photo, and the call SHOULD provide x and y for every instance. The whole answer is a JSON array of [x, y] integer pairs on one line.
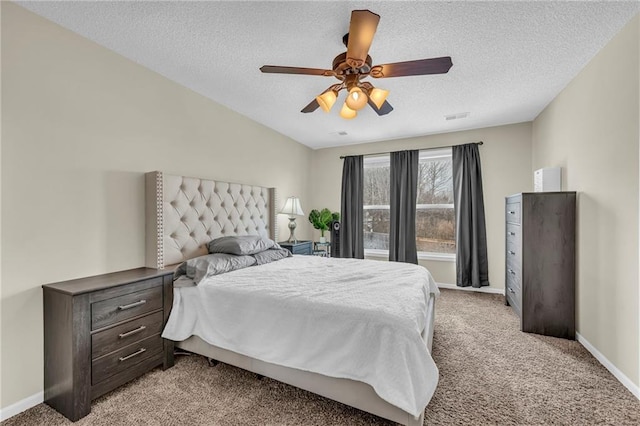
[[510, 59]]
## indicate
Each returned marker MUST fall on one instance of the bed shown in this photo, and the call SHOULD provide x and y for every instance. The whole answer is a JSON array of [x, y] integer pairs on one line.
[[184, 214]]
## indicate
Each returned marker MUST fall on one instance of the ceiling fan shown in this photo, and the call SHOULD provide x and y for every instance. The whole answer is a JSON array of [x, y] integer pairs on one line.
[[354, 65]]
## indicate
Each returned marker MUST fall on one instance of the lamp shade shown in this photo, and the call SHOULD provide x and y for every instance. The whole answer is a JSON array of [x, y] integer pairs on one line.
[[347, 113], [378, 96], [357, 99], [326, 100], [292, 207]]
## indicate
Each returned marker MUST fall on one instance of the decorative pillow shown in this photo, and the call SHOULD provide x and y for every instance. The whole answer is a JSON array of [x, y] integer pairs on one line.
[[212, 264], [271, 255], [240, 245]]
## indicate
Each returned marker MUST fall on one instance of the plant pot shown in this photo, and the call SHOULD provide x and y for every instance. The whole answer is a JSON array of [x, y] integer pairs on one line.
[[323, 240]]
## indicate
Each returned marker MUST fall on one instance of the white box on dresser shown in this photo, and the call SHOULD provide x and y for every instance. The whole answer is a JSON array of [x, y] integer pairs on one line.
[[547, 179]]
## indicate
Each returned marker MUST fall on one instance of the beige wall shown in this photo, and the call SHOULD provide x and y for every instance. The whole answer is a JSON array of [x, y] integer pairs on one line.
[[80, 126], [506, 169], [591, 131]]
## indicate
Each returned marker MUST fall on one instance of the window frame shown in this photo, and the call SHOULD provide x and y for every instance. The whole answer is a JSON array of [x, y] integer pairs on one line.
[[422, 255]]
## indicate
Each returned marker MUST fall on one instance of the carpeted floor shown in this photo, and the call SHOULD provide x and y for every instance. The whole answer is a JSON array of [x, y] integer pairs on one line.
[[490, 373]]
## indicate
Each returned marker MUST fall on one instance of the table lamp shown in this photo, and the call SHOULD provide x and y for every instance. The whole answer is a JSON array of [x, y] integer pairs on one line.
[[293, 209]]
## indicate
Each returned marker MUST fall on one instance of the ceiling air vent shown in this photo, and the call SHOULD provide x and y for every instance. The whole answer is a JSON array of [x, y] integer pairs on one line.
[[456, 116], [342, 133]]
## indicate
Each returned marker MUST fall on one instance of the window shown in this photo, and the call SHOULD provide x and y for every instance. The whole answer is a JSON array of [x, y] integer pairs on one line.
[[435, 220]]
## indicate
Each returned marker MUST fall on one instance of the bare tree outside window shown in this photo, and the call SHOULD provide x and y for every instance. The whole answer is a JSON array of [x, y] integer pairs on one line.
[[435, 221], [377, 180]]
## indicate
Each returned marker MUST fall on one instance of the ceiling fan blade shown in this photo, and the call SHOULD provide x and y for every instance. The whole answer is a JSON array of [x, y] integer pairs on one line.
[[361, 31], [419, 67], [275, 69], [314, 105], [386, 108]]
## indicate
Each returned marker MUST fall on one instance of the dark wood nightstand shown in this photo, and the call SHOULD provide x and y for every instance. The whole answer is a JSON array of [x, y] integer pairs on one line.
[[101, 332], [301, 247]]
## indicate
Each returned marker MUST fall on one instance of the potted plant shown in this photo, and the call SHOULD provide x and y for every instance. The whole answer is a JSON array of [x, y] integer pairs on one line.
[[321, 221]]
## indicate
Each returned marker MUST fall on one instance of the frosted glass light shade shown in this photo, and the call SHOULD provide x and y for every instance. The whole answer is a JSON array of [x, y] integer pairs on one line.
[[378, 96], [347, 113], [292, 207], [326, 100], [357, 99]]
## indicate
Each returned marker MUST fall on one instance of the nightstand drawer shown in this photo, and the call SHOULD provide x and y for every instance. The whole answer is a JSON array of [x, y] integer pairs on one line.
[[301, 247], [125, 358], [121, 308], [125, 334]]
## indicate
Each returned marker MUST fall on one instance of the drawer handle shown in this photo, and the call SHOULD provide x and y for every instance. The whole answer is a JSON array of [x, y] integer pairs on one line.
[[512, 233], [510, 291], [138, 352], [132, 332], [512, 252], [132, 305], [512, 272], [512, 212]]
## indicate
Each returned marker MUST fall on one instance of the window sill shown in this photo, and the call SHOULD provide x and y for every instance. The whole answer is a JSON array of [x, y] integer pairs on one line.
[[440, 257]]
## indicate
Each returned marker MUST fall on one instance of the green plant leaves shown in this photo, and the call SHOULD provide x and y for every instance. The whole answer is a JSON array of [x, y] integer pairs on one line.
[[323, 218]]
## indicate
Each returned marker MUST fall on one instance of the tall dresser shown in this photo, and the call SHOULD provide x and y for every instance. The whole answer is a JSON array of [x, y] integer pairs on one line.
[[540, 261]]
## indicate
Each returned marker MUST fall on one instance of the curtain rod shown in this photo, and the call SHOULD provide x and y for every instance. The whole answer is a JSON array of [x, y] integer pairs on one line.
[[434, 147]]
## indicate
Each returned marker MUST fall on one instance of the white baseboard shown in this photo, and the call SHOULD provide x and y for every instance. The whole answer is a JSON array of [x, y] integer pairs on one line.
[[479, 290], [20, 406], [622, 378]]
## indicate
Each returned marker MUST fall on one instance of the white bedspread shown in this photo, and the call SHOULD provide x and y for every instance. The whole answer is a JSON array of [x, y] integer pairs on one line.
[[346, 318]]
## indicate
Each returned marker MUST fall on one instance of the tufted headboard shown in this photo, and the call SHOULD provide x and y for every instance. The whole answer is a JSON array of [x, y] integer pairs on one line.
[[183, 214]]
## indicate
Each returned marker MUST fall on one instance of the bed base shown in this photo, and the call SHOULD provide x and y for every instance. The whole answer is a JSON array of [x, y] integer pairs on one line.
[[350, 392]]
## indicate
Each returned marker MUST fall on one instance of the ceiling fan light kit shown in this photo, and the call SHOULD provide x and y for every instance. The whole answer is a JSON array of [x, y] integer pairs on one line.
[[347, 113], [327, 99], [378, 96], [354, 65], [357, 99]]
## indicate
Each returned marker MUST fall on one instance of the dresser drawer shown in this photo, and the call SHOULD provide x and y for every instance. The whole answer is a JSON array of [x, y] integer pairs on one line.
[[125, 334], [513, 277], [514, 296], [513, 271], [513, 234], [512, 254], [512, 212], [121, 308], [125, 358]]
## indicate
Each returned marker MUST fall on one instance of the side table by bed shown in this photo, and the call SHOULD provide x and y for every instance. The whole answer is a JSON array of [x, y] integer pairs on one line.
[[322, 249], [300, 247], [101, 332]]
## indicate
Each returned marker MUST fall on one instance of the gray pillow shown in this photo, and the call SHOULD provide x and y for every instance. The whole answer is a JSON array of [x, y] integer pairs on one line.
[[212, 264], [271, 255], [240, 245]]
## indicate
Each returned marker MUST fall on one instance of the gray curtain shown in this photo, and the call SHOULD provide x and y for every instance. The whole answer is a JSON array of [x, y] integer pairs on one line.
[[471, 233], [404, 188], [351, 211]]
